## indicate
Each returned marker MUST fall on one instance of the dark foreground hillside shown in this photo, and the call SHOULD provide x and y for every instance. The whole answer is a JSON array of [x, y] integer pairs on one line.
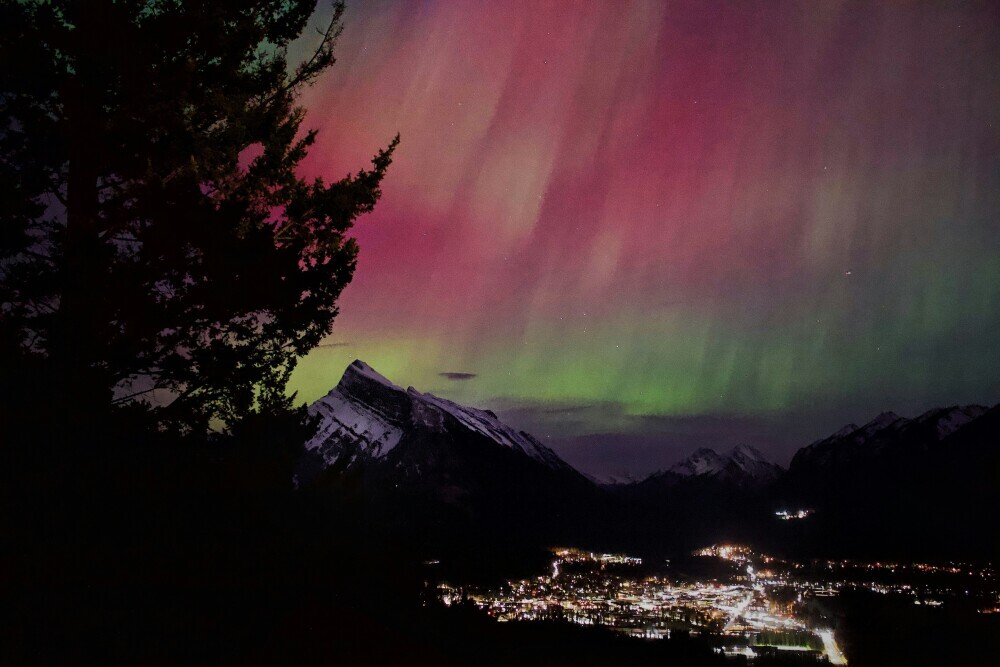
[[126, 552], [129, 547]]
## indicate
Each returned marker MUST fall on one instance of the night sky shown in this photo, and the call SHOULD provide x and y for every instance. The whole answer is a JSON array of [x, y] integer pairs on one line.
[[639, 228]]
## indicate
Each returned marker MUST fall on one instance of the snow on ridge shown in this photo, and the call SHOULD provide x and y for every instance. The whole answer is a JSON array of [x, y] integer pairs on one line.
[[882, 421], [488, 424], [949, 420], [702, 462], [706, 461], [747, 452], [845, 431], [752, 461], [352, 413]]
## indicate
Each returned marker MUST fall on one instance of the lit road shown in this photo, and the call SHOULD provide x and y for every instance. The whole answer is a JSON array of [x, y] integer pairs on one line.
[[739, 609], [830, 648]]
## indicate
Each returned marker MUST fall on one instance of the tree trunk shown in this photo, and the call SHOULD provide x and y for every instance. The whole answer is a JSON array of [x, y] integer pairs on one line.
[[76, 345]]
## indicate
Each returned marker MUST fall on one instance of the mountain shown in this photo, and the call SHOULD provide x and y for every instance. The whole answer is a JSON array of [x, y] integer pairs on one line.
[[892, 486], [741, 466], [902, 486], [366, 417], [707, 497], [746, 462], [446, 474], [703, 461], [884, 440]]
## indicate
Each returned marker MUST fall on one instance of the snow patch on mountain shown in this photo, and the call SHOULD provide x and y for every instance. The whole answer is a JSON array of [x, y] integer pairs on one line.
[[844, 432], [881, 422], [485, 422], [948, 420], [344, 418], [362, 413], [703, 461], [750, 460]]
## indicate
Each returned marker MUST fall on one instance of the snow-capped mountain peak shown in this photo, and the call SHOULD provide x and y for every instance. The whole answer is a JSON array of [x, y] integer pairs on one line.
[[743, 462], [366, 416], [703, 461]]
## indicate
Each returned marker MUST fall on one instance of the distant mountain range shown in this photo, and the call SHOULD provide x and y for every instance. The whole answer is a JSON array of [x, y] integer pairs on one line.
[[442, 469], [366, 418]]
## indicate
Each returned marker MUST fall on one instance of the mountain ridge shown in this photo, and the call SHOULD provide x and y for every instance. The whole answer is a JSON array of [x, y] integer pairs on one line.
[[458, 475], [885, 435], [366, 415]]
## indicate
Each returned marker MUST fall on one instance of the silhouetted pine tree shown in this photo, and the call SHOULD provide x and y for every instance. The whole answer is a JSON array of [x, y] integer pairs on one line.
[[159, 256]]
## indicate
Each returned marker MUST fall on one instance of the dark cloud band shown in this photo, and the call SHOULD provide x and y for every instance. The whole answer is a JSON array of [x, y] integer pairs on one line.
[[457, 376]]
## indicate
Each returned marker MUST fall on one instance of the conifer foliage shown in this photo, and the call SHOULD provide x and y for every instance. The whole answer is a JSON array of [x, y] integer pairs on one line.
[[159, 252]]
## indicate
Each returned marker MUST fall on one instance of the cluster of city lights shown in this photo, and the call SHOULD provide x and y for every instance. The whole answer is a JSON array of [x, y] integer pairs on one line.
[[582, 590], [761, 606]]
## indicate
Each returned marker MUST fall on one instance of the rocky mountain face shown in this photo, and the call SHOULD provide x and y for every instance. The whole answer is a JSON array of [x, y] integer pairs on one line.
[[366, 417]]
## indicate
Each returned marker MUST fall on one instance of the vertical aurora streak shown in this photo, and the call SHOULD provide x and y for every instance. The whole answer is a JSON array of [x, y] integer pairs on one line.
[[645, 211]]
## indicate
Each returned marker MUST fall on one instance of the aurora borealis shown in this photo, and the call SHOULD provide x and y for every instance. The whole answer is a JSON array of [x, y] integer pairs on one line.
[[635, 228]]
